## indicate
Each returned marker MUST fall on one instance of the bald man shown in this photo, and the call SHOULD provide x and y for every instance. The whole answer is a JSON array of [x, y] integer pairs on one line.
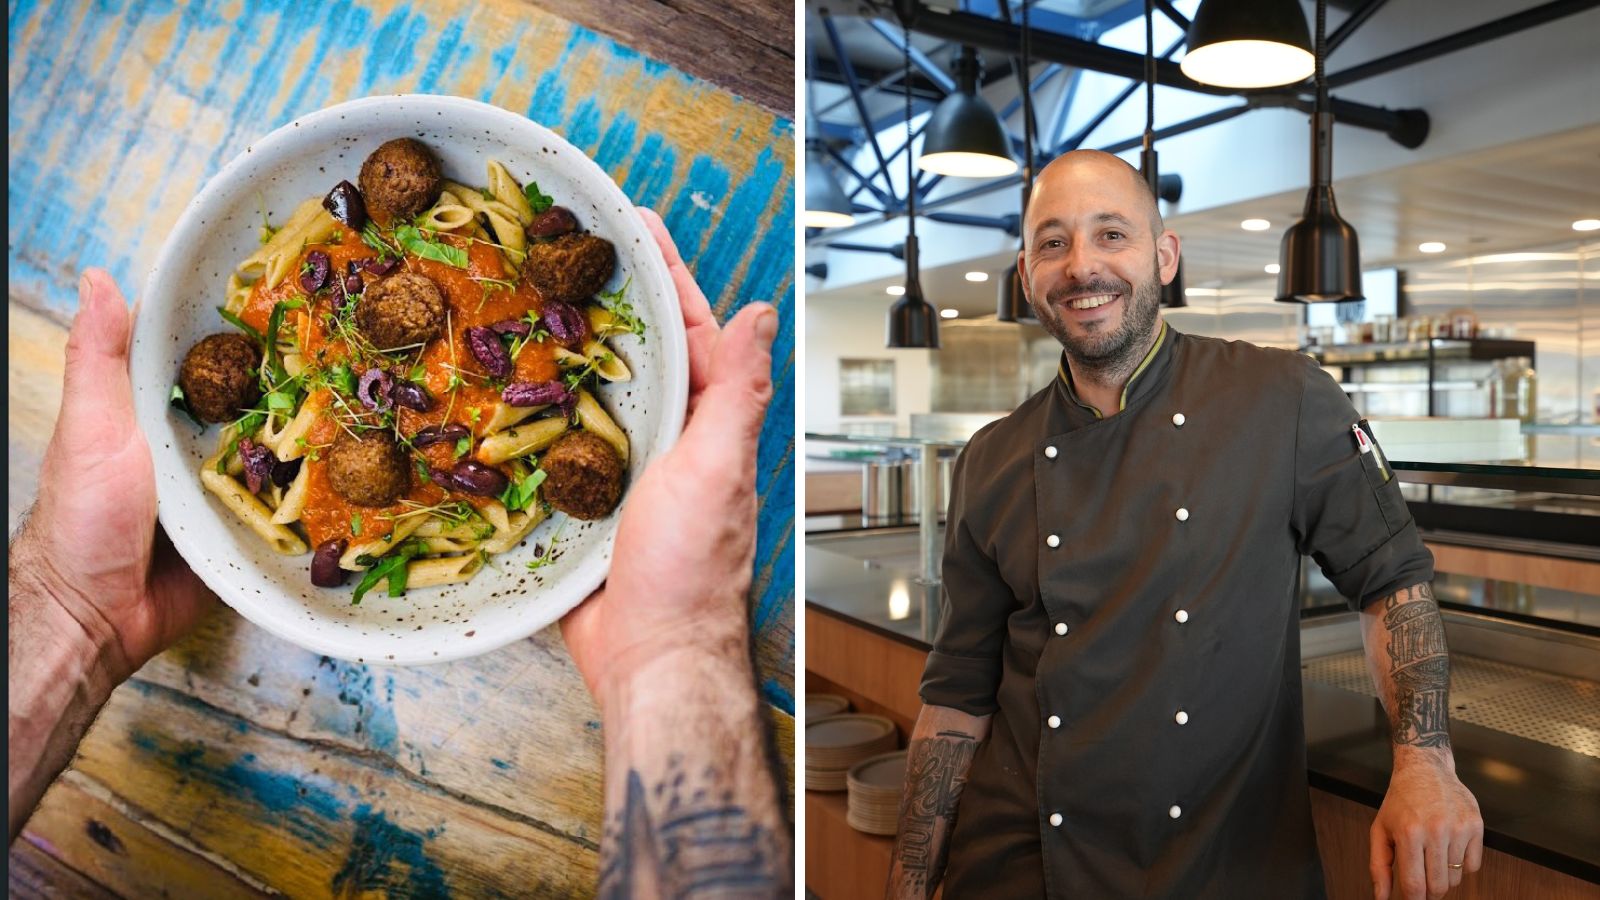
[[1112, 705]]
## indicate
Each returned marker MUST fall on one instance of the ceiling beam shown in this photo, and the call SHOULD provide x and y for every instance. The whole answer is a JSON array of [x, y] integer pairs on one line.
[[1461, 40]]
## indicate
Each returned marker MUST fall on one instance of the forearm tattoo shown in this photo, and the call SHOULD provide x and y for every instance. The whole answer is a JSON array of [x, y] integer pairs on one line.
[[686, 835], [1419, 667], [937, 770]]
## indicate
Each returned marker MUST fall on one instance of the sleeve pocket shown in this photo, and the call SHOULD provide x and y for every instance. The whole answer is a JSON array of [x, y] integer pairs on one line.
[[1380, 478]]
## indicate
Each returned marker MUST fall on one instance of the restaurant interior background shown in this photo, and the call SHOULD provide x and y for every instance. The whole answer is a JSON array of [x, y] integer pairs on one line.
[[1467, 158]]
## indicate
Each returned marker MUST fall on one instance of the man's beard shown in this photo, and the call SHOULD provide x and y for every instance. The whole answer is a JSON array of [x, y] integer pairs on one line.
[[1105, 350]]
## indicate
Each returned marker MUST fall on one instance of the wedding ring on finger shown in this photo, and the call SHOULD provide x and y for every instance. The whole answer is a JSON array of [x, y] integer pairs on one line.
[[1454, 865]]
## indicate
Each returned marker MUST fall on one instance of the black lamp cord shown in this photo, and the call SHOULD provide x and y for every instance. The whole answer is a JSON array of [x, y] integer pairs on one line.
[[1149, 77]]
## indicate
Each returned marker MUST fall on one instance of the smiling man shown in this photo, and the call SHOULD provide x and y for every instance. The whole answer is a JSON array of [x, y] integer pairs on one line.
[[1112, 705]]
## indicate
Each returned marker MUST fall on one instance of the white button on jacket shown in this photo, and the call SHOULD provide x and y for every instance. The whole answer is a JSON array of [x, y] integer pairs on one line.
[[1050, 452], [1054, 721], [1061, 628], [1177, 419], [1182, 718], [1052, 541], [1175, 812], [1181, 615], [1182, 514], [1055, 819]]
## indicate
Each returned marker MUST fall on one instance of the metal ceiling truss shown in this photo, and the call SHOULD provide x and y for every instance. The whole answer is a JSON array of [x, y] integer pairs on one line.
[[1067, 55]]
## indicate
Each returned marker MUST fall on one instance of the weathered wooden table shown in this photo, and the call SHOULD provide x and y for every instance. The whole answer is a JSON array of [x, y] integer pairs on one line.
[[236, 764]]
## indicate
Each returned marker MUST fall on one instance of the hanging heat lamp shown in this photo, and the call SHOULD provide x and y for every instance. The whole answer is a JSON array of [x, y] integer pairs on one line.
[[913, 322], [964, 137], [1171, 293], [826, 205], [1320, 259], [1011, 303], [1248, 44]]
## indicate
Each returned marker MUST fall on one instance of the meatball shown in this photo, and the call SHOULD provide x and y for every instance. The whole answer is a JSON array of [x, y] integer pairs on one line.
[[371, 470], [583, 475], [218, 376], [403, 309], [399, 180], [571, 267]]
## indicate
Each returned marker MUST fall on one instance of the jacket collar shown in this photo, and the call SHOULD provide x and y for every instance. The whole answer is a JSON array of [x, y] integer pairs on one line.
[[1144, 381]]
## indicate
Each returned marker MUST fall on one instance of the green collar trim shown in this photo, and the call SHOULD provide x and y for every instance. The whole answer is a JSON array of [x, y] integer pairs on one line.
[[1066, 377]]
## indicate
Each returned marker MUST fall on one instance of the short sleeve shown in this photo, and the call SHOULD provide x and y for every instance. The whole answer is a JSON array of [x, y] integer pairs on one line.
[[963, 670], [1348, 514]]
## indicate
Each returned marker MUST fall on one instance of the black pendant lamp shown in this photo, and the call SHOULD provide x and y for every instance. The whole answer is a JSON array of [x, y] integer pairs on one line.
[[1172, 293], [964, 137], [1011, 305], [1248, 44], [1320, 259], [826, 203], [913, 322]]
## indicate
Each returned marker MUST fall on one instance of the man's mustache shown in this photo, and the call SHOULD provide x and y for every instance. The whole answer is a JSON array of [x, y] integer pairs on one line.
[[1079, 288]]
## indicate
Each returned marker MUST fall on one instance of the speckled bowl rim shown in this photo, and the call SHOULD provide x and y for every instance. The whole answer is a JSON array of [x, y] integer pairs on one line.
[[673, 376]]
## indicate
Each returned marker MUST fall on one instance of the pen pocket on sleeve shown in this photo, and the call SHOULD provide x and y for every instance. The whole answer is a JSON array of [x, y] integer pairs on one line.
[[1380, 478]]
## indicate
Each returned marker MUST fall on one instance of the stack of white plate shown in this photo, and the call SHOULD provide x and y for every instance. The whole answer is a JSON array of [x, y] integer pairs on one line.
[[820, 705], [835, 743], [876, 785]]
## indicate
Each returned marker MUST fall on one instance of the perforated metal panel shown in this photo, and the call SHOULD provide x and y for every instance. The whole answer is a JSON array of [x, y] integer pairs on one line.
[[1560, 712]]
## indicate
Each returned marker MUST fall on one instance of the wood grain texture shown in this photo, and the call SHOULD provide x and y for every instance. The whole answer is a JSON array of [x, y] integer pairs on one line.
[[841, 862], [867, 665], [241, 763], [1518, 568], [747, 48], [1342, 826]]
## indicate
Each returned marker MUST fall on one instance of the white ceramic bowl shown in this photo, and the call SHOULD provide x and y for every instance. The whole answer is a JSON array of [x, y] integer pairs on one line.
[[306, 158]]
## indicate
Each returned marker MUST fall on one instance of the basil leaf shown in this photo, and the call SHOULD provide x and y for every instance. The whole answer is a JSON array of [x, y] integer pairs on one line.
[[178, 400], [277, 401], [463, 446], [241, 324], [539, 200], [413, 241]]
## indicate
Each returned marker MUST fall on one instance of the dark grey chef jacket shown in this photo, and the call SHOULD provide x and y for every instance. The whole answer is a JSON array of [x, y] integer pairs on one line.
[[1122, 595]]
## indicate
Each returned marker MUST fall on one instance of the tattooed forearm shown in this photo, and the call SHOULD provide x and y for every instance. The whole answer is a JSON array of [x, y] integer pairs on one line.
[[693, 809], [937, 762], [1417, 693], [686, 835]]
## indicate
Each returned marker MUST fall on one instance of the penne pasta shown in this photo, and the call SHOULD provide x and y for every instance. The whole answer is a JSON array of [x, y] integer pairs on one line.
[[607, 364], [495, 512], [381, 545], [293, 505], [594, 418], [288, 445], [447, 215], [503, 415], [508, 191], [252, 512], [444, 570], [520, 440], [604, 323], [521, 523], [441, 544]]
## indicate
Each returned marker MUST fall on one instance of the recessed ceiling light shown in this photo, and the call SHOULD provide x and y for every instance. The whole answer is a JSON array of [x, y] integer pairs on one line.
[[1271, 268], [949, 313], [1586, 225], [975, 276], [895, 290], [1431, 247], [1255, 224]]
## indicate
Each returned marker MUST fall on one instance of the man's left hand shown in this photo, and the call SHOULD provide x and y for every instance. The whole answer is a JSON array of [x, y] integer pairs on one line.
[[1428, 832]]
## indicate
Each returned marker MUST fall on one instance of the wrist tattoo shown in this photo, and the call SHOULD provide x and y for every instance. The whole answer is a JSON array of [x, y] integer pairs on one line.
[[937, 770], [689, 837], [1419, 668]]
